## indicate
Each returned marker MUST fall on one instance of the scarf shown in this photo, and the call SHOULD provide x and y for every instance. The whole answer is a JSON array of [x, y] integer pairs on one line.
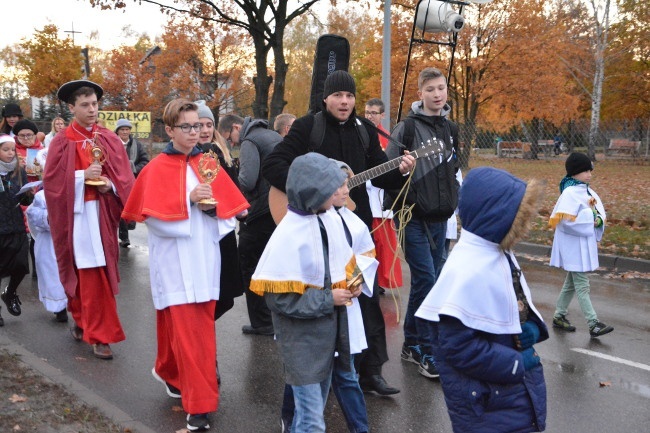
[[568, 181], [133, 152], [8, 167]]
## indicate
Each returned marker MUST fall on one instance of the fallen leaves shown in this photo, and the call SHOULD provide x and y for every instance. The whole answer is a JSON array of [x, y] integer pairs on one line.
[[17, 398], [604, 384]]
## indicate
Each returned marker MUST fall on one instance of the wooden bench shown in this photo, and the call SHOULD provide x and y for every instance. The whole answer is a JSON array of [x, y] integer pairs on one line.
[[546, 146], [512, 148], [622, 146]]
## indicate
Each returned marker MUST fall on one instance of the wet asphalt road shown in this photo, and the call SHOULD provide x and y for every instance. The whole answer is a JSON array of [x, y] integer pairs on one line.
[[251, 389]]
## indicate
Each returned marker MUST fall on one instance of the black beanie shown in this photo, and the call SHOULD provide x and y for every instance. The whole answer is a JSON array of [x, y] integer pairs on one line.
[[577, 163], [12, 110], [339, 81], [25, 124]]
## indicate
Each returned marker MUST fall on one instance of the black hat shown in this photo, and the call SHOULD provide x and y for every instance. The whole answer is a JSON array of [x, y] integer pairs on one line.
[[12, 110], [577, 163], [25, 124], [339, 81], [65, 91]]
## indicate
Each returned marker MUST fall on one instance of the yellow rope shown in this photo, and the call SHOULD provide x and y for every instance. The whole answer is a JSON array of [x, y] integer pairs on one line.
[[404, 216]]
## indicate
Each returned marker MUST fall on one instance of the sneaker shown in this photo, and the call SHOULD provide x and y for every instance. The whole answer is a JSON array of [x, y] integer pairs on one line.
[[561, 322], [172, 391], [599, 328], [428, 367], [198, 422], [411, 353]]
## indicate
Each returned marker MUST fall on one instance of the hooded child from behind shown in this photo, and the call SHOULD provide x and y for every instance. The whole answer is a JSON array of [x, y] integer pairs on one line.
[[483, 322]]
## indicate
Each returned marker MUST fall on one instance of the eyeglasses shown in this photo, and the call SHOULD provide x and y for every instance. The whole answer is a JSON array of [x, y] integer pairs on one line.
[[186, 127], [372, 113], [25, 136]]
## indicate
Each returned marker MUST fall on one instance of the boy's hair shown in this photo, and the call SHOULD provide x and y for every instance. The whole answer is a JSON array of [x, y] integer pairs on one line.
[[282, 120], [226, 122], [82, 91], [429, 74], [174, 109], [378, 102]]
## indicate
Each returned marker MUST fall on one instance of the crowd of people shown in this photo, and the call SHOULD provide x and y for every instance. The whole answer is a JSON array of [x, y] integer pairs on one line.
[[317, 293]]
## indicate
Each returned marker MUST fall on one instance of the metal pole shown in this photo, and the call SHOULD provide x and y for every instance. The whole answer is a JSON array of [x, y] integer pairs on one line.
[[385, 66]]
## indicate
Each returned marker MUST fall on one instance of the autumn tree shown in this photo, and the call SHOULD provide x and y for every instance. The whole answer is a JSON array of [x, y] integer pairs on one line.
[[265, 22], [48, 62]]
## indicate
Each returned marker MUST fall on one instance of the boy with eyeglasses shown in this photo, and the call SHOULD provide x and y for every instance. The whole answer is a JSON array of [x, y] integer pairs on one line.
[[184, 264], [84, 217]]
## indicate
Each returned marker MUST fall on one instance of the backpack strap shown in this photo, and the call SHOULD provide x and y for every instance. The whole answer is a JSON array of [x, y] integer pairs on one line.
[[363, 134], [317, 134], [409, 132]]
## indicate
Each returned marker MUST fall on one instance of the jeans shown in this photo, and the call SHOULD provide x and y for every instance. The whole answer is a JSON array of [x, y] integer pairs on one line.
[[310, 400], [345, 385], [576, 282], [424, 246]]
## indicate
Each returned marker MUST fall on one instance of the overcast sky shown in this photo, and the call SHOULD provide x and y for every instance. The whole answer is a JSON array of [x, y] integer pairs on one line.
[[31, 15]]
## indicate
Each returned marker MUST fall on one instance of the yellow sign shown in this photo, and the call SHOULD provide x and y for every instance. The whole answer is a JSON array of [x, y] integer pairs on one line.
[[141, 121]]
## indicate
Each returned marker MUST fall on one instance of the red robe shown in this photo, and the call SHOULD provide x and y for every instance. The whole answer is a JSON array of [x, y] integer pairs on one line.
[[58, 183]]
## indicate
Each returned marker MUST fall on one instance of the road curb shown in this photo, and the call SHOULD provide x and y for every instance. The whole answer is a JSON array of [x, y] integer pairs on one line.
[[86, 395], [606, 261]]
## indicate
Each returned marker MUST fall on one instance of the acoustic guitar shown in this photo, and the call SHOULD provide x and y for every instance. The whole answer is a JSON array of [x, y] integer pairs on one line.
[[278, 200]]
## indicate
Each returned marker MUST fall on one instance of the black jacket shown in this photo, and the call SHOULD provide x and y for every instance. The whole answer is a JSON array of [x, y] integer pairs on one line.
[[341, 142]]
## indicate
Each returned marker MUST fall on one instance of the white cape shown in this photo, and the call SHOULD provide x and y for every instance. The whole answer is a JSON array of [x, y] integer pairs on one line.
[[475, 286]]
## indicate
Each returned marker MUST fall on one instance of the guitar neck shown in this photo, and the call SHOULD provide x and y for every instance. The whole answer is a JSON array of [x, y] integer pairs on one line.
[[378, 170]]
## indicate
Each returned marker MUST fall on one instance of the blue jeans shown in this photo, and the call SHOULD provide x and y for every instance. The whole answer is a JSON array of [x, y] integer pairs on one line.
[[424, 247], [345, 385], [309, 416]]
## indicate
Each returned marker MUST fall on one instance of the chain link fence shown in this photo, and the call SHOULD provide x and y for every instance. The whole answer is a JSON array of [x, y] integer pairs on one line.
[[620, 140]]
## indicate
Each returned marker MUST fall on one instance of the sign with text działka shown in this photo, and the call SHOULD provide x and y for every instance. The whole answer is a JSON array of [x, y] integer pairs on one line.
[[141, 121]]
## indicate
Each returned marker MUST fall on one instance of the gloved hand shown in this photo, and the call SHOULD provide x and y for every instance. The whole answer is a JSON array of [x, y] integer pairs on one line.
[[531, 358], [529, 334]]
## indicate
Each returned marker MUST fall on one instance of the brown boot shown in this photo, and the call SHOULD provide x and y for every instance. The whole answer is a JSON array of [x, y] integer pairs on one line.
[[102, 351]]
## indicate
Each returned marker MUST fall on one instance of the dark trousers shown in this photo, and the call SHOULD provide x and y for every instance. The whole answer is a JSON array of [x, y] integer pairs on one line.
[[14, 259], [369, 362], [124, 231], [253, 237]]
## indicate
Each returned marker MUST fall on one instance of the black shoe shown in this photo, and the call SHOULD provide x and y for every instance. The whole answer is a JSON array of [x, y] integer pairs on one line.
[[62, 316], [2, 321], [172, 391], [599, 329], [198, 422], [125, 244], [561, 322], [12, 302], [377, 384], [262, 330]]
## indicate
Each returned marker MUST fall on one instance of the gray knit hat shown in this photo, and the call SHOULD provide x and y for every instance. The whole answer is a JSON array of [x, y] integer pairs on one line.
[[204, 110], [123, 123], [312, 180], [339, 81]]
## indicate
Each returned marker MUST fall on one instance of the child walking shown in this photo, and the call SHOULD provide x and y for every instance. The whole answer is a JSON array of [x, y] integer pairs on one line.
[[14, 247], [185, 263], [299, 273], [579, 222]]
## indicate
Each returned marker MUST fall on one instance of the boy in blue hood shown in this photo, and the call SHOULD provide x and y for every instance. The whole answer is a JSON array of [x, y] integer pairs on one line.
[[482, 320]]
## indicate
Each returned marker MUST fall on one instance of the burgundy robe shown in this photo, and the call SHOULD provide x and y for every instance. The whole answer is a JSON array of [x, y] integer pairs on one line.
[[58, 183]]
